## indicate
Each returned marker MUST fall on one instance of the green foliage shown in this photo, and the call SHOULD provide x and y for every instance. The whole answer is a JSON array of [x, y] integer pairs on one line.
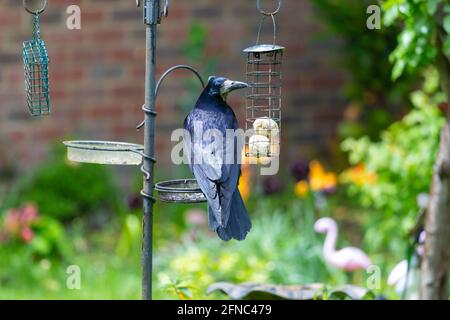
[[27, 255], [403, 162], [281, 249], [365, 56], [426, 33], [195, 50], [64, 190], [344, 294], [49, 241]]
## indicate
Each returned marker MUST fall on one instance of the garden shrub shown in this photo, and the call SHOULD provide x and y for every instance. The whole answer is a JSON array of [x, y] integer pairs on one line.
[[64, 190], [375, 101], [402, 162]]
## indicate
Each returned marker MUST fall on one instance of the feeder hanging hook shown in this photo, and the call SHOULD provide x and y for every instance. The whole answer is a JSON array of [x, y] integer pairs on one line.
[[258, 5], [38, 11]]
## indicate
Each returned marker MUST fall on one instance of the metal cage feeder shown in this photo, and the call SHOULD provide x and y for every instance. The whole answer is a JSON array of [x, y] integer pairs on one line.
[[263, 101], [36, 61]]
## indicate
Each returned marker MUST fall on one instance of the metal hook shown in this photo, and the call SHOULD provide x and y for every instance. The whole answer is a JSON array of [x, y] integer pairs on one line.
[[158, 85], [39, 11], [274, 28], [258, 5]]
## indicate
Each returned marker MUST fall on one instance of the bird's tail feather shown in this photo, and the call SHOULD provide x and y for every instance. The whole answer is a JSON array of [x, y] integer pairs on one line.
[[239, 223]]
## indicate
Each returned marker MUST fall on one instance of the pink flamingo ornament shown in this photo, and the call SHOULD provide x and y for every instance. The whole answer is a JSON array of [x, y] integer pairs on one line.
[[349, 258]]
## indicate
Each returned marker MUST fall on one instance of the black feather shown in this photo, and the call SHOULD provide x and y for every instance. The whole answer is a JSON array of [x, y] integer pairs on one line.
[[218, 180]]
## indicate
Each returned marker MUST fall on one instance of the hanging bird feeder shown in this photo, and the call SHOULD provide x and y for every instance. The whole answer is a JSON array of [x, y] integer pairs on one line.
[[263, 101], [35, 59]]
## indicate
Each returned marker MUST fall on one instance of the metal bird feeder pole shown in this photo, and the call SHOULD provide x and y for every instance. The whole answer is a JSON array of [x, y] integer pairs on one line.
[[152, 17], [122, 153], [177, 191]]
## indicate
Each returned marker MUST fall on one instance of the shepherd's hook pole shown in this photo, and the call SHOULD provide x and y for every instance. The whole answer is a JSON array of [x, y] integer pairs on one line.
[[152, 17]]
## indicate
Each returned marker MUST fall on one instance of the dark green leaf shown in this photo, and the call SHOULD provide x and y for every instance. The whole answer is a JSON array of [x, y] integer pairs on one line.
[[447, 23]]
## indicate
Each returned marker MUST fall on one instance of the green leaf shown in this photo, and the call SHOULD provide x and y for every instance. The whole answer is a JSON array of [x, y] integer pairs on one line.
[[447, 8], [447, 23], [339, 295], [406, 37], [184, 293], [369, 296], [398, 69], [390, 15], [432, 6], [447, 46]]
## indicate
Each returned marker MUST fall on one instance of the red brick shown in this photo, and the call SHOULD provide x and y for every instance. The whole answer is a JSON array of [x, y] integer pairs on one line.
[[86, 105], [9, 19]]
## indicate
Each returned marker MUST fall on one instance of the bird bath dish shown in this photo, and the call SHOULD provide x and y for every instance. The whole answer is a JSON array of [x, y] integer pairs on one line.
[[180, 191], [104, 152]]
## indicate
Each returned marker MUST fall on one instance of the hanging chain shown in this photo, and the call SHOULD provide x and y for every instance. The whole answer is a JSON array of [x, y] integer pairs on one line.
[[36, 27]]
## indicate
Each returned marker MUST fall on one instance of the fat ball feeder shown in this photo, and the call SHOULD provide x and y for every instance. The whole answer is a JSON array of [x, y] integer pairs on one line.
[[263, 102], [36, 60]]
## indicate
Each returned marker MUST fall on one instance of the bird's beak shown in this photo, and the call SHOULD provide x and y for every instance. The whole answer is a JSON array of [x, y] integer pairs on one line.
[[230, 85]]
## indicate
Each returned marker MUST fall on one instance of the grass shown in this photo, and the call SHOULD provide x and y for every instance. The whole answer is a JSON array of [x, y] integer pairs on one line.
[[282, 248], [274, 252]]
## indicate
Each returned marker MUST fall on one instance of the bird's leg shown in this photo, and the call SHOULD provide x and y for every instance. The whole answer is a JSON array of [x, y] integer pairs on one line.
[[217, 183]]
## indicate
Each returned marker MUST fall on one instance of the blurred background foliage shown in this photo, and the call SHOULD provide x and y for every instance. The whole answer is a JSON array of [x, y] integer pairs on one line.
[[374, 100], [69, 214], [402, 164]]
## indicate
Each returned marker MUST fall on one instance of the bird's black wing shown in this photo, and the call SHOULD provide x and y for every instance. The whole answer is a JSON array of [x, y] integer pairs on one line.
[[217, 178]]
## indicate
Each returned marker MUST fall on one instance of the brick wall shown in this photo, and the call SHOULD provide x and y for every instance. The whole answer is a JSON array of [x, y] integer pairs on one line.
[[97, 73]]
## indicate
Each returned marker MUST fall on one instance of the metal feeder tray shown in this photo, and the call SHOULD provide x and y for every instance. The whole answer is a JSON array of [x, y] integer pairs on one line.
[[180, 191], [104, 152]]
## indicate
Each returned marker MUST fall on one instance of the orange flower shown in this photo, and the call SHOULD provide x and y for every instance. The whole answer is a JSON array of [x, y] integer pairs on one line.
[[321, 179], [301, 189], [358, 175], [316, 168], [245, 179]]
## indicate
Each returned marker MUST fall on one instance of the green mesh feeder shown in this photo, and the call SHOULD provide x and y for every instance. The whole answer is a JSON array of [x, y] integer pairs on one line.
[[35, 58]]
